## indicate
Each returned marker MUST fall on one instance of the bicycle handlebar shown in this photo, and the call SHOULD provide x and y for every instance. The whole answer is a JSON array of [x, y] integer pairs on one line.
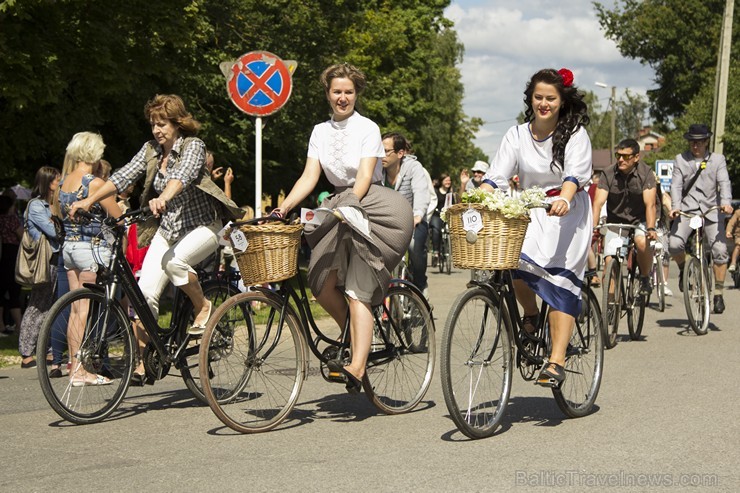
[[699, 214]]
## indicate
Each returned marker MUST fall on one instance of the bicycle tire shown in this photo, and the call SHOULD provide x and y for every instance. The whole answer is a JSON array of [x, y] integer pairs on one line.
[[696, 296], [736, 275], [112, 354], [611, 306], [635, 304], [477, 362], [448, 254], [584, 362], [255, 366], [442, 256], [216, 292], [396, 383]]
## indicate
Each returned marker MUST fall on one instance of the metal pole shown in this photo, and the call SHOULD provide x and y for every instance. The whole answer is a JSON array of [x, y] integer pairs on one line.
[[723, 72], [614, 117], [258, 167]]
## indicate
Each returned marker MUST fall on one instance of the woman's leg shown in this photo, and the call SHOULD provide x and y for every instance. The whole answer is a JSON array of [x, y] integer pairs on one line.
[[41, 299], [561, 326], [77, 318], [152, 282], [177, 263], [361, 333], [333, 300]]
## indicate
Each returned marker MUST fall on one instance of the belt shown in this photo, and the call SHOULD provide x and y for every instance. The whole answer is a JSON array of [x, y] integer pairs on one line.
[[554, 192]]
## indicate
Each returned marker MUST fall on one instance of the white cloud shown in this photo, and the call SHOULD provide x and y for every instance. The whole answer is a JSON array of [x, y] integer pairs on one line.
[[504, 46]]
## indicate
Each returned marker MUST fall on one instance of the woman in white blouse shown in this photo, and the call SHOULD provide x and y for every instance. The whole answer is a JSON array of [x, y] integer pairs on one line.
[[347, 270]]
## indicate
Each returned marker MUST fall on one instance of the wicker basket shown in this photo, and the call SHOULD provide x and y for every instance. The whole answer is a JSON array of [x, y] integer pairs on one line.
[[498, 244], [271, 254]]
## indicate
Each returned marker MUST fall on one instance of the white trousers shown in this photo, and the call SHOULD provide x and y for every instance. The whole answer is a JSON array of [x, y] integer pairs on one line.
[[167, 261]]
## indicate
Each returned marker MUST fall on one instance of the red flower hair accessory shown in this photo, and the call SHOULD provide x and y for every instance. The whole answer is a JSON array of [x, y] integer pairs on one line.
[[567, 76]]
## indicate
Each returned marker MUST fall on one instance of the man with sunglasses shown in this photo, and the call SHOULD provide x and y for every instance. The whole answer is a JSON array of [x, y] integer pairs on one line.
[[697, 176], [629, 190]]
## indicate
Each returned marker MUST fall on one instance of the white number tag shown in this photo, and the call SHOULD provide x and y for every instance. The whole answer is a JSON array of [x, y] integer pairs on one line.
[[472, 220], [696, 222], [239, 240]]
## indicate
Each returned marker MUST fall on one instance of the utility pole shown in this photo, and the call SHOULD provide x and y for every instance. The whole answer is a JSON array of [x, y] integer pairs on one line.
[[613, 104], [723, 73]]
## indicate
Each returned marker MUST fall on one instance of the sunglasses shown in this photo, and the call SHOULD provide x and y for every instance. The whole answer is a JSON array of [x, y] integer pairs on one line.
[[626, 157]]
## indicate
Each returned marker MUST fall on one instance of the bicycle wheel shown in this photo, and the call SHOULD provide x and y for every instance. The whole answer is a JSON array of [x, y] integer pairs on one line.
[[448, 254], [736, 275], [635, 303], [106, 347], [584, 361], [442, 255], [477, 362], [255, 364], [216, 292], [696, 296], [402, 359], [611, 304]]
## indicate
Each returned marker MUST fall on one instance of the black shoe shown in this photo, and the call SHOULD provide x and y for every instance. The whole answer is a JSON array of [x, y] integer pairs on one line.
[[55, 373], [138, 380], [529, 327], [719, 303], [435, 259], [32, 363], [646, 286], [339, 373]]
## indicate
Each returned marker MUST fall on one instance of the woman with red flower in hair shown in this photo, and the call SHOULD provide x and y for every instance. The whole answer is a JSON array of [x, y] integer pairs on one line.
[[550, 150]]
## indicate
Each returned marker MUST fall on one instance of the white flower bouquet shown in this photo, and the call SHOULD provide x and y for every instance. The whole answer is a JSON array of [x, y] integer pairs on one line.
[[499, 201]]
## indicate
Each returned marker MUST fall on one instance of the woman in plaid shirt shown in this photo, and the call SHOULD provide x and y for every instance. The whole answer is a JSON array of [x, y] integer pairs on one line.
[[186, 203]]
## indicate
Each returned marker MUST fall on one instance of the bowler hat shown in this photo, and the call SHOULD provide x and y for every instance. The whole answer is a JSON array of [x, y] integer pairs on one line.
[[697, 131]]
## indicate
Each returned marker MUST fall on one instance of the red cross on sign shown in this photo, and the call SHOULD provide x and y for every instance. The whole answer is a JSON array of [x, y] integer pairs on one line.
[[259, 83]]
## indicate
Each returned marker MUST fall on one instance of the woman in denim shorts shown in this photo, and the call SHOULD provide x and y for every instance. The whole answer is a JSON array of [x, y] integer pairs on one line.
[[84, 249]]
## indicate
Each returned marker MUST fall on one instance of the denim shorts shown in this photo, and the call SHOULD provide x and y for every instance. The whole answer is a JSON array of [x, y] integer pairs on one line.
[[84, 255]]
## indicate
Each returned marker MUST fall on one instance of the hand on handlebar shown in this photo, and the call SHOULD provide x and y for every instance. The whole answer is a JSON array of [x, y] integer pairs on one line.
[[157, 206], [80, 205]]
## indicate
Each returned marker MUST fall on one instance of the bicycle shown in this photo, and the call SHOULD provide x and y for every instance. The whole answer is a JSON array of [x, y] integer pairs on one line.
[[257, 359], [482, 331], [621, 295], [108, 344], [444, 261], [698, 275]]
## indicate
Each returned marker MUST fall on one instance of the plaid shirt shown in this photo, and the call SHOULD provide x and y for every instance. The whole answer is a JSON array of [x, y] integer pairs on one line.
[[188, 209]]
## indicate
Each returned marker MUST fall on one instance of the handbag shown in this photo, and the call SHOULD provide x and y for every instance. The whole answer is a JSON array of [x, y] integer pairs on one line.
[[34, 256]]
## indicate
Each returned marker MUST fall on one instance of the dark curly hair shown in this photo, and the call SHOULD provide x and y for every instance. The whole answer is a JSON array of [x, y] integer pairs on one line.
[[573, 111]]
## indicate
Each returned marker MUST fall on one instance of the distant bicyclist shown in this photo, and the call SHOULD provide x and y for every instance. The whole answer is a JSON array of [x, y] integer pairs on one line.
[[551, 150], [629, 189], [697, 175], [346, 269]]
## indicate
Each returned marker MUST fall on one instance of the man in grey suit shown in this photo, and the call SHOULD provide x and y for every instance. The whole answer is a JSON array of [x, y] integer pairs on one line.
[[700, 181]]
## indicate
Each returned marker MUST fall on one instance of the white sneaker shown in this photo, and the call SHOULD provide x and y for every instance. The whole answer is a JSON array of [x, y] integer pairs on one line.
[[732, 268], [667, 290]]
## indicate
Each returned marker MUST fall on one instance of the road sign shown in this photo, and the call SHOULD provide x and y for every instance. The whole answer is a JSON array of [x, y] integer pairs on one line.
[[259, 83], [664, 170]]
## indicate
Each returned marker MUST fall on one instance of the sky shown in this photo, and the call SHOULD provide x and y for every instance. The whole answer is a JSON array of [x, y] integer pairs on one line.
[[506, 42]]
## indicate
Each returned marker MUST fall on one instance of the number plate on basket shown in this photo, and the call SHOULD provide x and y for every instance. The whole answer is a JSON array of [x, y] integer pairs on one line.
[[239, 240], [472, 220], [696, 222]]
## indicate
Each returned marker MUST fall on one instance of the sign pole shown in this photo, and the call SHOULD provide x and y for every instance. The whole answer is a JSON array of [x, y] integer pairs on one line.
[[259, 84], [258, 167]]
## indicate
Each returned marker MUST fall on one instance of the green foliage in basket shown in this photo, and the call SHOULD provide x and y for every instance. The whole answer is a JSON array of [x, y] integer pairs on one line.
[[499, 201]]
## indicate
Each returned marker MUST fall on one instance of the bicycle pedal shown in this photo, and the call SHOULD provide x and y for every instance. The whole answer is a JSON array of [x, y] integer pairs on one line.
[[336, 377]]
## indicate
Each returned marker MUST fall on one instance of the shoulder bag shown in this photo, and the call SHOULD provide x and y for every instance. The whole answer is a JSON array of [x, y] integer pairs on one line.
[[32, 264]]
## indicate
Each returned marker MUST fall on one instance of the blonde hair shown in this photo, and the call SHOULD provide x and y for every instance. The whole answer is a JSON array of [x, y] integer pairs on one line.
[[86, 147]]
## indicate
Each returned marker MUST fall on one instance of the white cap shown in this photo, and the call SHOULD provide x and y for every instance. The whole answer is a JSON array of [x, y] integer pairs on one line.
[[480, 166]]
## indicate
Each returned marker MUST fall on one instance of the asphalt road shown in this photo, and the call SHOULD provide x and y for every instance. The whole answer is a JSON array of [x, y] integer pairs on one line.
[[666, 419]]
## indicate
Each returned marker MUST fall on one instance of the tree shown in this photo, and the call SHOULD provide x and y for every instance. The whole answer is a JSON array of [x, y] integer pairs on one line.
[[72, 65], [679, 40]]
